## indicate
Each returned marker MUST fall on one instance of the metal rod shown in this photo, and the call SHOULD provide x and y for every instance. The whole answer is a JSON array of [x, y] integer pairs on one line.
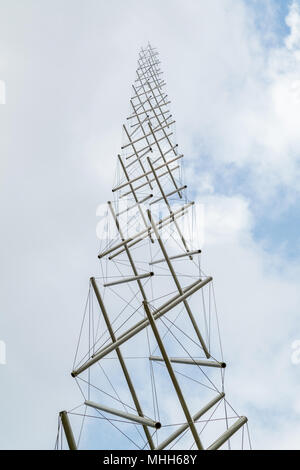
[[163, 157], [145, 55], [173, 376], [184, 427], [147, 146], [148, 135], [133, 190], [143, 104], [158, 81], [122, 414], [148, 61], [134, 205], [138, 107], [152, 180], [149, 91], [121, 359], [144, 60], [145, 74], [127, 251], [136, 153], [139, 125], [139, 121], [134, 269], [141, 325], [155, 80], [166, 153], [168, 205], [148, 149], [129, 245], [143, 78], [176, 256], [146, 112], [197, 362], [124, 242], [145, 66], [154, 64], [169, 303], [169, 194], [153, 56], [227, 434], [128, 279], [146, 173], [187, 307], [157, 159], [158, 102], [68, 430]]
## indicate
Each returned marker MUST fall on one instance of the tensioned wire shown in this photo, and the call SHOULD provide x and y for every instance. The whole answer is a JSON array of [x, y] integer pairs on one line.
[[108, 419], [117, 395]]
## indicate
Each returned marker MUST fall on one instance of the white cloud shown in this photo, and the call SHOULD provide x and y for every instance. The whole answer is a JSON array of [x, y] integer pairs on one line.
[[250, 104], [226, 219], [258, 309], [293, 21]]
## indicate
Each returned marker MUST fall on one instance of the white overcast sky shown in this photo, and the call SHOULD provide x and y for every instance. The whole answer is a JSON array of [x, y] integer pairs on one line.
[[233, 73]]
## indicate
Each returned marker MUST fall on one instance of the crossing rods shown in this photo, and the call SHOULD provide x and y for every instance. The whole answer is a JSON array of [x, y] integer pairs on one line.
[[149, 360]]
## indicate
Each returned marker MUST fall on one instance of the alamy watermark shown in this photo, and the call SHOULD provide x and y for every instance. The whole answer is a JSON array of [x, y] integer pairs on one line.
[[133, 221], [2, 353]]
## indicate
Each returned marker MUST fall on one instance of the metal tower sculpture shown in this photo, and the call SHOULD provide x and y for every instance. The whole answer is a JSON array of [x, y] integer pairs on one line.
[[149, 361]]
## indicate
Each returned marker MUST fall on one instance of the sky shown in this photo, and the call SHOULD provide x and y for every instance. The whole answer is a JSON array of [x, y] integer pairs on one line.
[[233, 74]]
